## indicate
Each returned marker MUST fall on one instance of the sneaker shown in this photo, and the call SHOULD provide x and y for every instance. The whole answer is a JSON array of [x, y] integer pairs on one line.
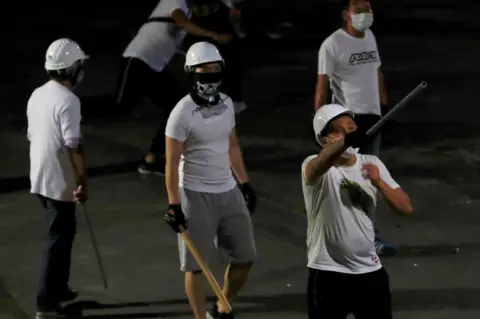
[[214, 314], [239, 106], [58, 313], [53, 314], [383, 248], [156, 168]]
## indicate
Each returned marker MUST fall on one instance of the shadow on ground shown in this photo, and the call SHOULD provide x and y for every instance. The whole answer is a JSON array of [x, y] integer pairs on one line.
[[411, 300]]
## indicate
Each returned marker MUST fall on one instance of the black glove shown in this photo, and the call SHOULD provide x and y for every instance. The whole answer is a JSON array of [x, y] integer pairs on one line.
[[175, 217], [356, 138], [249, 195]]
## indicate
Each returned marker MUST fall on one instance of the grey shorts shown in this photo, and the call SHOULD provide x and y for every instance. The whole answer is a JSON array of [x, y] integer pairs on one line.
[[216, 220]]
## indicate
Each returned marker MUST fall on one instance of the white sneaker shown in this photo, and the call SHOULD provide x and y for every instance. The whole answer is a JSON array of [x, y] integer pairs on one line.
[[50, 315], [239, 106]]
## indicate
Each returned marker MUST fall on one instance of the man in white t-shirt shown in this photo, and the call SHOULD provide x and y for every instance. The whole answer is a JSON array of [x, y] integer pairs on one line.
[[349, 64], [202, 150], [144, 71], [341, 189], [57, 168]]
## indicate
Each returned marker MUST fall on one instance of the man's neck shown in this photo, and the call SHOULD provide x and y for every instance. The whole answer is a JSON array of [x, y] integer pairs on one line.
[[65, 83], [354, 32], [203, 99]]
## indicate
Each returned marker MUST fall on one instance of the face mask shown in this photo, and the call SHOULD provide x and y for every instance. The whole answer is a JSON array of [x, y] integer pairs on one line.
[[207, 84], [77, 77], [349, 152], [362, 21]]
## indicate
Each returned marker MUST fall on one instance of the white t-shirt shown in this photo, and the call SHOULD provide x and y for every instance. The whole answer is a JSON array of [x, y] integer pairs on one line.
[[53, 114], [340, 233], [156, 42], [352, 67], [205, 162]]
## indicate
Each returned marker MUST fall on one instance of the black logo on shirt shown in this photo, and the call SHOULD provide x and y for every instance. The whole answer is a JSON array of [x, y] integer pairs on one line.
[[363, 57], [358, 197]]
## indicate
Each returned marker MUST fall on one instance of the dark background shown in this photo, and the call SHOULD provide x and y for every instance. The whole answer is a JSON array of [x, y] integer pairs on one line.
[[418, 40]]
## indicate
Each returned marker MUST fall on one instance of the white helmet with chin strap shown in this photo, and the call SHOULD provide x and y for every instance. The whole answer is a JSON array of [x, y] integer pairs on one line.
[[62, 54], [201, 53], [205, 84], [322, 119], [64, 58]]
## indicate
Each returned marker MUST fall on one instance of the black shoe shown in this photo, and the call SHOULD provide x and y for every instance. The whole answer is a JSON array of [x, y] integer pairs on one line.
[[68, 295], [156, 167], [214, 314]]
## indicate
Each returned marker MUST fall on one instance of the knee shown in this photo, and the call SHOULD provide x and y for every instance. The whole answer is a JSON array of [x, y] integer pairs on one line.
[[193, 274]]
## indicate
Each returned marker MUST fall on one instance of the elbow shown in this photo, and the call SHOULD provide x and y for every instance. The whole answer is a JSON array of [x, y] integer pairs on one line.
[[405, 208], [310, 177], [234, 149], [172, 163]]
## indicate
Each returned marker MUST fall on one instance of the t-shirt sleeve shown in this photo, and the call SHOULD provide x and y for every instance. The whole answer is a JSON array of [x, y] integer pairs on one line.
[[372, 36], [177, 126], [385, 174], [70, 118], [304, 167], [326, 59]]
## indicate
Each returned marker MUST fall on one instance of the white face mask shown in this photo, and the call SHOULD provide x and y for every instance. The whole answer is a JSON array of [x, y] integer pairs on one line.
[[362, 21], [349, 152]]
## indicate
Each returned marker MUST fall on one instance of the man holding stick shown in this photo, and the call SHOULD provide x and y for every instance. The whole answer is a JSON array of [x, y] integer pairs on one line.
[[57, 169], [201, 151], [349, 64], [341, 189]]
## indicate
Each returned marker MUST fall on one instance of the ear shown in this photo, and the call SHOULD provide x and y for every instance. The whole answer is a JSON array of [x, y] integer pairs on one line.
[[345, 15]]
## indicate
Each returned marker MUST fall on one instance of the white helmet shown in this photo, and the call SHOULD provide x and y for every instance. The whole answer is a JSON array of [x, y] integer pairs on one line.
[[62, 54], [325, 114], [200, 53]]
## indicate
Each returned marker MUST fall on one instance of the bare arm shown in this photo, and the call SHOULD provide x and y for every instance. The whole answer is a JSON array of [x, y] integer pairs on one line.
[[77, 158], [382, 89], [173, 153], [325, 159], [321, 91], [70, 118], [397, 199], [190, 27], [236, 159]]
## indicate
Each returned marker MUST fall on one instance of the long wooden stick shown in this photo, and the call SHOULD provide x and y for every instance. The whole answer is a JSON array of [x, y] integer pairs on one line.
[[206, 271]]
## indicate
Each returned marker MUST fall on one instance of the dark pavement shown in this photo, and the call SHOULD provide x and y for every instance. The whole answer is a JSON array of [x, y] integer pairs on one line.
[[432, 150]]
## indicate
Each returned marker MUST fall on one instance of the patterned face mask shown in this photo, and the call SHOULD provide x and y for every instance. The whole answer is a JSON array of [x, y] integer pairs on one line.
[[207, 84]]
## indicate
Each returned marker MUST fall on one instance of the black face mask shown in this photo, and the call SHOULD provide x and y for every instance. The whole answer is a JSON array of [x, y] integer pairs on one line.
[[207, 84]]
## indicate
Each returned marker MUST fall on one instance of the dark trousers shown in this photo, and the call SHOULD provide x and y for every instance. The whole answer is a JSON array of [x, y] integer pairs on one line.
[[137, 81], [334, 295], [55, 268]]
